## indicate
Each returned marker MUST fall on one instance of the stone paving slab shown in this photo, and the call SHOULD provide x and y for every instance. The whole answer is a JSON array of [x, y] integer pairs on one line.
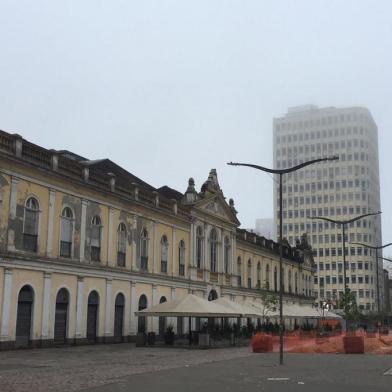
[[76, 368], [260, 372]]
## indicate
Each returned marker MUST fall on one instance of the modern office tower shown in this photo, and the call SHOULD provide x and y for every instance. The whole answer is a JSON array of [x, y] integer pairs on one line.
[[335, 189]]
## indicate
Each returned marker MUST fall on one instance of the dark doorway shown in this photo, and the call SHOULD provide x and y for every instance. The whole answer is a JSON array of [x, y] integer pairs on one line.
[[211, 321], [23, 317], [61, 317], [119, 317], [162, 320], [92, 317], [141, 320]]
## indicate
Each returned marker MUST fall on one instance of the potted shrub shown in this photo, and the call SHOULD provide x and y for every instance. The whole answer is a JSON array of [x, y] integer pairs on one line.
[[204, 336], [141, 337], [169, 335], [151, 338], [352, 344]]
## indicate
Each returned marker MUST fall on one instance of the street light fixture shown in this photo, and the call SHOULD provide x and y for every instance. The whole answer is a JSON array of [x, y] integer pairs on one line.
[[376, 248], [281, 172], [343, 223]]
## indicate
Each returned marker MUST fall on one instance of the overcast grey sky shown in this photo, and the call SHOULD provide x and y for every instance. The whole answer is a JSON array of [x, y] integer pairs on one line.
[[171, 89]]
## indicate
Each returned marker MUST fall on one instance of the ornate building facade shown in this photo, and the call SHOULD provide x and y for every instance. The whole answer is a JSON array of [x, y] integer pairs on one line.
[[84, 244]]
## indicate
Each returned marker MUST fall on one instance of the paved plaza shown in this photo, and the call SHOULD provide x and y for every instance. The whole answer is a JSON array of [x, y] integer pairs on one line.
[[123, 367]]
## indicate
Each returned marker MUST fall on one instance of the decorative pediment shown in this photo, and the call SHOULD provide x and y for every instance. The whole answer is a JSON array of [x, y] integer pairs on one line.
[[216, 206]]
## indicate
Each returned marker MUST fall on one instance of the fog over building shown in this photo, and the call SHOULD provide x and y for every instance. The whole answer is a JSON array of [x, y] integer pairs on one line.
[[265, 227], [338, 190]]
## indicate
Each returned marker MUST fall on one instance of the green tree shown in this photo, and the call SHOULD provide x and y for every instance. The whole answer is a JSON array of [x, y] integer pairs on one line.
[[349, 305], [270, 301]]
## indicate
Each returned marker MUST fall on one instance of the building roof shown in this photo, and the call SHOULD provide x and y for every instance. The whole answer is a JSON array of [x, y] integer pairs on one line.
[[170, 193]]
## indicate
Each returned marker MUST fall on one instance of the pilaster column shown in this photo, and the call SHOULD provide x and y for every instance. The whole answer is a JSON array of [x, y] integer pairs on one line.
[[13, 194], [134, 308], [80, 332], [233, 264], [154, 320], [110, 237], [172, 320], [192, 258], [14, 190], [221, 256], [46, 305], [206, 258], [108, 309], [174, 247], [154, 245], [134, 239], [49, 242], [83, 229], [5, 309]]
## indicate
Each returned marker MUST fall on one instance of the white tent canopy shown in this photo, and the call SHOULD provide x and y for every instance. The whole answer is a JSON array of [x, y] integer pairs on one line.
[[243, 309], [302, 311], [189, 306]]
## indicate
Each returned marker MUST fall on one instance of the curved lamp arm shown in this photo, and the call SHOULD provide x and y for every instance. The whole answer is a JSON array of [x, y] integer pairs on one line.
[[283, 171]]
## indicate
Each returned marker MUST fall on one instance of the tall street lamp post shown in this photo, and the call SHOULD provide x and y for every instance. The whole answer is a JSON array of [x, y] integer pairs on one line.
[[376, 248], [281, 172], [343, 223]]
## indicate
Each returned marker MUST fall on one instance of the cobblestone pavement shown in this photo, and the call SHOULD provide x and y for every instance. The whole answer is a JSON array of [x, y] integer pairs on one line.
[[261, 373], [76, 368]]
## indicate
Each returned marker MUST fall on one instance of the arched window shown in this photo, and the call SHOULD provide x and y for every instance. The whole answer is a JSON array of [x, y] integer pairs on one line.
[[141, 321], [199, 247], [276, 279], [121, 244], [239, 270], [296, 283], [267, 277], [259, 275], [181, 258], [212, 295], [96, 227], [249, 273], [144, 250], [164, 254], [289, 282], [30, 225], [213, 251], [66, 232], [227, 255]]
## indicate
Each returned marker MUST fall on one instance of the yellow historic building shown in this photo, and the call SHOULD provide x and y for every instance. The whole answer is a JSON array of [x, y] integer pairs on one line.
[[84, 244]]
